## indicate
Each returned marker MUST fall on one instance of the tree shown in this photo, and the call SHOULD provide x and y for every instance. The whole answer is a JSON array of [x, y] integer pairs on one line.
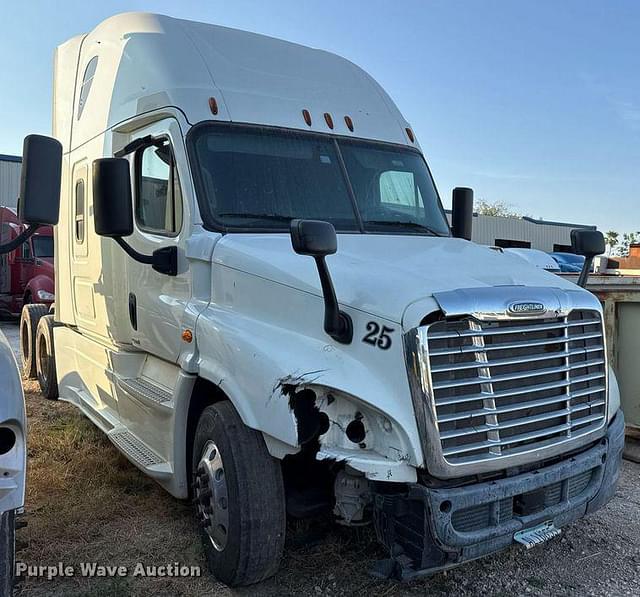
[[496, 208], [628, 239], [611, 238]]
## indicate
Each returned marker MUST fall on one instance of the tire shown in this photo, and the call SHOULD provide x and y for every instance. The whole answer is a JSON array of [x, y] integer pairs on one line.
[[46, 358], [29, 319], [7, 551], [251, 548]]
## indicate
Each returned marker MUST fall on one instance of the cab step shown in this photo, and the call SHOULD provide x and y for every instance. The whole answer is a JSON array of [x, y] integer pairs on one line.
[[147, 392], [139, 453]]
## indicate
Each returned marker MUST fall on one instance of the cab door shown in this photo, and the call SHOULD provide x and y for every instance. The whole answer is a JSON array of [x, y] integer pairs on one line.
[[156, 301]]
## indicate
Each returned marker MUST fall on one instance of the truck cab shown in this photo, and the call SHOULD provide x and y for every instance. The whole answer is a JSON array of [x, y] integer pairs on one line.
[[261, 304], [27, 273]]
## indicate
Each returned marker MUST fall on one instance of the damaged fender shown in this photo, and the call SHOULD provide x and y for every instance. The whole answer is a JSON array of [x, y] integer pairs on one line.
[[258, 356]]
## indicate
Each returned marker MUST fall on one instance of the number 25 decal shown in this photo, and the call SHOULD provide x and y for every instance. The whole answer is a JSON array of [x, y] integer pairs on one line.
[[378, 336]]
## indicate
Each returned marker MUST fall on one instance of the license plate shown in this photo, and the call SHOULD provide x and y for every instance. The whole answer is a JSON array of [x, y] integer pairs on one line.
[[536, 535]]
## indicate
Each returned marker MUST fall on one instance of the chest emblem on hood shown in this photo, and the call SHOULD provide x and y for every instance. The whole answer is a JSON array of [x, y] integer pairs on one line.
[[526, 308]]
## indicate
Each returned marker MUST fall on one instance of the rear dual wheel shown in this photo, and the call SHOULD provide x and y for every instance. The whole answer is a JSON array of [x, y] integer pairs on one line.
[[29, 319], [239, 498], [46, 358]]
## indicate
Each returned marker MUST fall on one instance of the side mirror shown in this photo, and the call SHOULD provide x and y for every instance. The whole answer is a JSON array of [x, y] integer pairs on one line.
[[318, 239], [462, 213], [113, 213], [40, 180], [112, 206], [588, 243], [313, 237]]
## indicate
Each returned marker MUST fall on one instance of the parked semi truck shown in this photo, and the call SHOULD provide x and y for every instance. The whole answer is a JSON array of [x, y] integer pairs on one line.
[[38, 210], [26, 274], [261, 304]]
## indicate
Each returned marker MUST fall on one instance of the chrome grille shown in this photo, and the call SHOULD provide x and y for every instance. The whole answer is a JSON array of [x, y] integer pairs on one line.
[[503, 387]]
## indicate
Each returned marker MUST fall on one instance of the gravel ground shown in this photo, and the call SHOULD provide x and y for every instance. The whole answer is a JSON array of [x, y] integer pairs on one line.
[[85, 502]]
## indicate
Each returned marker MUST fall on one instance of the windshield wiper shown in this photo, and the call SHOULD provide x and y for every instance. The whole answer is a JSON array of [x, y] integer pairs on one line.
[[402, 224], [275, 217]]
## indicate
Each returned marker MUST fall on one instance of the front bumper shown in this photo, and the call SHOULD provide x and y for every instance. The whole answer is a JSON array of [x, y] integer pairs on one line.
[[431, 529]]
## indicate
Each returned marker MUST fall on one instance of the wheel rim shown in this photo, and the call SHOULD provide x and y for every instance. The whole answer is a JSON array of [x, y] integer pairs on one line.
[[24, 348], [43, 357], [212, 497]]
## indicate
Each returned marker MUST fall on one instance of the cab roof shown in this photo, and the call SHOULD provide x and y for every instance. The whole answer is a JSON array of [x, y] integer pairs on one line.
[[133, 63]]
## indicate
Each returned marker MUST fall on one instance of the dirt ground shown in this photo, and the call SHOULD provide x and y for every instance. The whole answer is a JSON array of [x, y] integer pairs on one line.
[[86, 503]]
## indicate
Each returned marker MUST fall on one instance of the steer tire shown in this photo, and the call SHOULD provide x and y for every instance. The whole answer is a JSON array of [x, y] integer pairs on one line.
[[46, 358], [29, 319], [7, 551], [255, 504]]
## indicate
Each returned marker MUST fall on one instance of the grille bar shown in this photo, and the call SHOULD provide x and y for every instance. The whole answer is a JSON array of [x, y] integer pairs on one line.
[[522, 390], [555, 414], [504, 386], [516, 345], [522, 437], [522, 406], [474, 381], [513, 330], [516, 360]]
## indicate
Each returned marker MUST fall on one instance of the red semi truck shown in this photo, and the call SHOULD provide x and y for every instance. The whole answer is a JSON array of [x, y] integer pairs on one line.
[[26, 274]]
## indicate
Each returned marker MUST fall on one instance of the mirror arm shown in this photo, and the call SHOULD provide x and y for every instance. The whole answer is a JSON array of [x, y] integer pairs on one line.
[[584, 273], [163, 260], [129, 250], [337, 323], [18, 240]]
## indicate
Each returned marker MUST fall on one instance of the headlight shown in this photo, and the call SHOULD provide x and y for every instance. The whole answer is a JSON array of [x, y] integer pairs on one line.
[[43, 295]]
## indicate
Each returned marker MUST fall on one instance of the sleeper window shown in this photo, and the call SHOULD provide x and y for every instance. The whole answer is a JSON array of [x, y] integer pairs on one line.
[[87, 80], [158, 197]]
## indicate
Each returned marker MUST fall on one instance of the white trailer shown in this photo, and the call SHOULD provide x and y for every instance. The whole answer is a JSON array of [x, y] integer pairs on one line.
[[453, 394]]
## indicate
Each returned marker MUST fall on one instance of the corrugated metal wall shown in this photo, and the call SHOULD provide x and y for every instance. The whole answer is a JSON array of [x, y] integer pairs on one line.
[[9, 180], [543, 235]]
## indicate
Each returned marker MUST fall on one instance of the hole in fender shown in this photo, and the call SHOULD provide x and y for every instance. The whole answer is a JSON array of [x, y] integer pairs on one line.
[[7, 440]]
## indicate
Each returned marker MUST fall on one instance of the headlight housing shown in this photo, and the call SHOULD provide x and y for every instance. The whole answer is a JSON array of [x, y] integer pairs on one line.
[[44, 295]]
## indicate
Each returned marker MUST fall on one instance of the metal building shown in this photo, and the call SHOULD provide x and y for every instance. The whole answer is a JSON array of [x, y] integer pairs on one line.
[[523, 232], [9, 180]]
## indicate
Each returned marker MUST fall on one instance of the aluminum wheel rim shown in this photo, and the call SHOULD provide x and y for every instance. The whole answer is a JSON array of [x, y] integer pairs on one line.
[[211, 496]]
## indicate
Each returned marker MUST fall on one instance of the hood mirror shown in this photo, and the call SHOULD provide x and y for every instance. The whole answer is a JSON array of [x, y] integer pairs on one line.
[[318, 239], [588, 243]]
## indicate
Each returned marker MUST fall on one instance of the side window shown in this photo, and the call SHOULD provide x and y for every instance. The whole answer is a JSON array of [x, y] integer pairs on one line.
[[79, 211], [399, 189], [87, 80], [27, 253], [158, 196]]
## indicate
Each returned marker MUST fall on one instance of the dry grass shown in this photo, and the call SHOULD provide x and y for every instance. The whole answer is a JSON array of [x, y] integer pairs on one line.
[[87, 503]]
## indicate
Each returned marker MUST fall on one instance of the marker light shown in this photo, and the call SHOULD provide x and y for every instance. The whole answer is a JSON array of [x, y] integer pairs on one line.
[[328, 120], [349, 123], [213, 106]]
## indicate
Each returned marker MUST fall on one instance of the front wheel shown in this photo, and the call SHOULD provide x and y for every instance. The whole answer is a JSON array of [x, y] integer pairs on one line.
[[46, 358], [239, 497], [7, 551]]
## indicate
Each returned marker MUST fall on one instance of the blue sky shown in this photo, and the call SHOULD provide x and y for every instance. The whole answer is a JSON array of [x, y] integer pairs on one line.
[[536, 104]]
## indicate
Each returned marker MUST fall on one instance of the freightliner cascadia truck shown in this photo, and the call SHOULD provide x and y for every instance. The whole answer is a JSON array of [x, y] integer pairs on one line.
[[260, 302]]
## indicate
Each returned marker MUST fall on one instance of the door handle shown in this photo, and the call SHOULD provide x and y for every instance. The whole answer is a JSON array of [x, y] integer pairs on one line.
[[133, 310]]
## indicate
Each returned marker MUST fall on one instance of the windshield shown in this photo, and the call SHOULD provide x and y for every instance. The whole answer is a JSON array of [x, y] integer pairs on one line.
[[252, 178], [43, 246]]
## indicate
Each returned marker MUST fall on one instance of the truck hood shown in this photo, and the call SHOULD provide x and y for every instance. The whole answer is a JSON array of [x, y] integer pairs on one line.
[[383, 274]]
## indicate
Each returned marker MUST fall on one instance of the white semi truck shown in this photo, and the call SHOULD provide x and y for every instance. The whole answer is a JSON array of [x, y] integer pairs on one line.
[[39, 199], [261, 304]]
